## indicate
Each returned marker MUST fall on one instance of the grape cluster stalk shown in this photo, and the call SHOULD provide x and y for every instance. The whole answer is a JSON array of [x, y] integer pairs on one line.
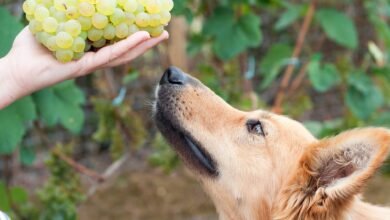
[[69, 28]]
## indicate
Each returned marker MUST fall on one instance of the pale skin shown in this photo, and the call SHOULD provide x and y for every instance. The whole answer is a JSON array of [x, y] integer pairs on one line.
[[29, 67]]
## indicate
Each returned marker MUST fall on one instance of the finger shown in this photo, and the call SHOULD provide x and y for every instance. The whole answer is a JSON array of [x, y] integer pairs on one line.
[[94, 60], [138, 50]]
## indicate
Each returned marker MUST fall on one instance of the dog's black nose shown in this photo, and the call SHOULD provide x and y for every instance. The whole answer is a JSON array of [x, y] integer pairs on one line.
[[173, 75]]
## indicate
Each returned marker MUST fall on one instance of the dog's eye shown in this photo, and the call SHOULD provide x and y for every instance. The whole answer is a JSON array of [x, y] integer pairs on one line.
[[255, 127]]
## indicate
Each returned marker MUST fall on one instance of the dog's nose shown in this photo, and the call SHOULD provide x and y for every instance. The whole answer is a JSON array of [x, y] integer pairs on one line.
[[173, 75]]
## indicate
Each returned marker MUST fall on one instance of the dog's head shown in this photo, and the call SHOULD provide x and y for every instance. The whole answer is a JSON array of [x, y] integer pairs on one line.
[[259, 165]]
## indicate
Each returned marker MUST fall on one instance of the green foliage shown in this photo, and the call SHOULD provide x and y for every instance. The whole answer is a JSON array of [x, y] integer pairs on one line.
[[277, 57], [292, 14], [62, 192], [338, 27], [10, 196], [61, 104], [163, 155], [322, 77], [363, 96], [14, 119], [239, 33], [10, 27]]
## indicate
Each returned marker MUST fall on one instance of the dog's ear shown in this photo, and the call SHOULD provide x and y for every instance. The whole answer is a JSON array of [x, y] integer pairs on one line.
[[331, 172], [336, 169]]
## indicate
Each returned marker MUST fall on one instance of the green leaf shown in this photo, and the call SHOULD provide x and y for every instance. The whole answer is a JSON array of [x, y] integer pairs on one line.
[[27, 156], [232, 36], [10, 27], [322, 77], [292, 14], [13, 123], [61, 104], [338, 27], [363, 97], [273, 62], [18, 194]]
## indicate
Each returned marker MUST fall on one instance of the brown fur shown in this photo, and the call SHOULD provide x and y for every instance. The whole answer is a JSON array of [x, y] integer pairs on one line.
[[286, 174]]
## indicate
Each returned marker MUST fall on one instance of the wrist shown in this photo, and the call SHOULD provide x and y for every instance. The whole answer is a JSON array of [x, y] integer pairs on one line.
[[8, 89]]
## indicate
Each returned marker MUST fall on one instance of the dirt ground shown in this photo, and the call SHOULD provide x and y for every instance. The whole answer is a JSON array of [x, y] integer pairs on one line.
[[149, 194]]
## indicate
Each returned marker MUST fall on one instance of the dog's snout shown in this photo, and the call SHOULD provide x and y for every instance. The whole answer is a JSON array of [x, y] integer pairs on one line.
[[173, 75]]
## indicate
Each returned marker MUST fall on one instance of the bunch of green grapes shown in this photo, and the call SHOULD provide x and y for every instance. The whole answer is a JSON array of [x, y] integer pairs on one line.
[[69, 28]]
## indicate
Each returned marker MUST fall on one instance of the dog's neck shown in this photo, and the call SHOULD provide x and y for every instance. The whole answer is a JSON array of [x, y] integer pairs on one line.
[[228, 209], [362, 211]]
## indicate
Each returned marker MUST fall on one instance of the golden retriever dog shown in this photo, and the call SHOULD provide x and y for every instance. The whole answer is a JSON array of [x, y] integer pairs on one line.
[[259, 165]]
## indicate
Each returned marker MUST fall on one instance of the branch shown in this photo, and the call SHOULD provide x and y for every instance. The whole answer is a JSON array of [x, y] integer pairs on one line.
[[78, 167], [297, 51]]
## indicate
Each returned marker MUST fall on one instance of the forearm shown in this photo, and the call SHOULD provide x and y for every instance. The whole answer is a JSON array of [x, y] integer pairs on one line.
[[8, 88]]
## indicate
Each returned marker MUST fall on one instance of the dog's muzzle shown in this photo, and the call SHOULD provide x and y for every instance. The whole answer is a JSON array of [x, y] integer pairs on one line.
[[169, 109]]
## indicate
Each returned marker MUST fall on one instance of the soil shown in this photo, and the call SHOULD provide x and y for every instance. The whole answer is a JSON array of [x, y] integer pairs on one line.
[[149, 194]]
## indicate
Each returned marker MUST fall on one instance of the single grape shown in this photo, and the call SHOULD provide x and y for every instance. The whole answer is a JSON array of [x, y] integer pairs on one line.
[[122, 30], [51, 43], [156, 31], [72, 12], [84, 35], [165, 17], [153, 6], [155, 20], [142, 19], [41, 13], [139, 9], [133, 29], [78, 45], [73, 27], [85, 22], [109, 32], [29, 17], [35, 26], [60, 16], [64, 40], [118, 16], [129, 18], [29, 7], [60, 5], [100, 43], [95, 34], [86, 9], [42, 37], [106, 7], [64, 56], [50, 25], [167, 5], [99, 21], [130, 5], [46, 3]]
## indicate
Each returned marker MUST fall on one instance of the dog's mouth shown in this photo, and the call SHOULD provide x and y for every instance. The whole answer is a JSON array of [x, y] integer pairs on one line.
[[172, 115], [190, 150]]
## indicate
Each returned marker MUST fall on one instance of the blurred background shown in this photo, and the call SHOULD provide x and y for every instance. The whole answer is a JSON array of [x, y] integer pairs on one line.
[[88, 149]]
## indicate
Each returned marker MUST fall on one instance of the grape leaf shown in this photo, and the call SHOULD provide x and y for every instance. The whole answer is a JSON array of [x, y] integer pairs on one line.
[[363, 96], [13, 123], [322, 77], [10, 27], [288, 17], [231, 35], [27, 155], [61, 104], [338, 27], [273, 62]]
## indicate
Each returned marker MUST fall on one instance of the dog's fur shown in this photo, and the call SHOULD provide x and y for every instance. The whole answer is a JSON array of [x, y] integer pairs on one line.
[[284, 174]]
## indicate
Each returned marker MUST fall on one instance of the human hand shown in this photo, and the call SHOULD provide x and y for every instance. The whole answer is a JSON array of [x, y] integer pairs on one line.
[[30, 67]]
